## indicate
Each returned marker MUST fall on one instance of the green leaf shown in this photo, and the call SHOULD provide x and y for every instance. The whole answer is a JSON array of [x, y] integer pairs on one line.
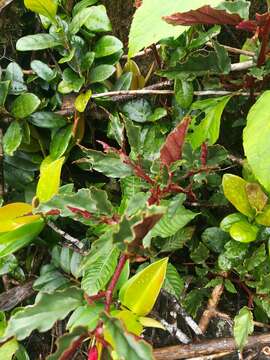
[[46, 8], [43, 314], [256, 139], [36, 42], [243, 326], [209, 127], [60, 141], [124, 82], [125, 344], [82, 100], [148, 25], [101, 73], [71, 82], [183, 91], [4, 88], [240, 7], [224, 61], [109, 164], [229, 286], [231, 219], [137, 110], [234, 189], [67, 344], [24, 105], [43, 70], [200, 254], [215, 239], [7, 265], [244, 232], [12, 138], [175, 219], [86, 316], [140, 292], [14, 240], [173, 283], [176, 241], [81, 5], [257, 258], [107, 45], [264, 217], [97, 276], [98, 21], [8, 349], [47, 120], [50, 280], [49, 181], [14, 73]]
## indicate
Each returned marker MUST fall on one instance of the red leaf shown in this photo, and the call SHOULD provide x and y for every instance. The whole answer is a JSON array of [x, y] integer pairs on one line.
[[204, 16], [86, 214], [93, 353], [248, 25], [171, 151]]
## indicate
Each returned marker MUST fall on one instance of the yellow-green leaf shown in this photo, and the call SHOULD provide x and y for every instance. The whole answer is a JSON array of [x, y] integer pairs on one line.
[[8, 349], [244, 232], [140, 292], [264, 217], [130, 321], [82, 100], [234, 189], [149, 322], [46, 8], [49, 181], [15, 215]]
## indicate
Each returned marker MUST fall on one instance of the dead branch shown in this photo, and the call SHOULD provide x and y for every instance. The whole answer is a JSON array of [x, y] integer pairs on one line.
[[11, 298], [207, 347]]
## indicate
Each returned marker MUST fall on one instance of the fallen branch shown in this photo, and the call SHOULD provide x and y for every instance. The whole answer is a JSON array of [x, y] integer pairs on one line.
[[207, 347], [11, 298]]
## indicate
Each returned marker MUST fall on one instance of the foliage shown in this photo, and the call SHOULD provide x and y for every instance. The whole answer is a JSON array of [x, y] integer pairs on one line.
[[165, 191]]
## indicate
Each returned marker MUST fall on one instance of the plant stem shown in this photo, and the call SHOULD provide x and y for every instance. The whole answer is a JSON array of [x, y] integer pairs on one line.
[[109, 293]]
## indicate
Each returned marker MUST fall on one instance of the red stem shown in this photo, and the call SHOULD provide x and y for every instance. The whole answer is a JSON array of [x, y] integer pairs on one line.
[[204, 154], [116, 275], [265, 37]]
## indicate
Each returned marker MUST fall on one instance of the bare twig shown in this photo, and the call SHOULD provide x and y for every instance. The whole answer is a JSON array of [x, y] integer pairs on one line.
[[208, 347], [76, 244], [211, 357], [14, 296], [234, 50]]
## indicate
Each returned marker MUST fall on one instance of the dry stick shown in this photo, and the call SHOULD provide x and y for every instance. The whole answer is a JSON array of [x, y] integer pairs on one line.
[[211, 310], [178, 308], [173, 330], [211, 357], [76, 244], [207, 347], [234, 50]]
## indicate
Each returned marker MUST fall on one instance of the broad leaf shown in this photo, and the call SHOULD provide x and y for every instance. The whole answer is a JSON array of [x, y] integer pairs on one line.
[[243, 326], [36, 42], [24, 105], [43, 70], [107, 45], [209, 127], [256, 197], [97, 275], [67, 344], [46, 8], [148, 26], [94, 18], [125, 344], [86, 316], [60, 142], [231, 219], [49, 181], [44, 313], [234, 189], [47, 120], [14, 73], [101, 73], [4, 88], [12, 138], [264, 217], [14, 240], [256, 139], [173, 283], [82, 100], [8, 349], [244, 232], [140, 292]]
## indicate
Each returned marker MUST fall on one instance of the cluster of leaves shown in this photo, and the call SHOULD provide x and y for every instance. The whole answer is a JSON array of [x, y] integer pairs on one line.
[[130, 196]]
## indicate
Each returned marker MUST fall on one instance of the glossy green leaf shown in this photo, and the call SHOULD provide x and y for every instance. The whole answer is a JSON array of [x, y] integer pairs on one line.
[[43, 70], [14, 240], [7, 264], [24, 105], [125, 344], [60, 141], [183, 91], [43, 314], [231, 219], [50, 280], [8, 349], [101, 73], [82, 100], [14, 73], [36, 42], [209, 127], [149, 27], [107, 45], [94, 18], [12, 138], [256, 139], [46, 8], [234, 189], [4, 88], [215, 238], [86, 316], [66, 344], [244, 232], [137, 110], [97, 275], [173, 283], [47, 120], [176, 241], [71, 82], [140, 292], [124, 82], [49, 181], [243, 326]]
